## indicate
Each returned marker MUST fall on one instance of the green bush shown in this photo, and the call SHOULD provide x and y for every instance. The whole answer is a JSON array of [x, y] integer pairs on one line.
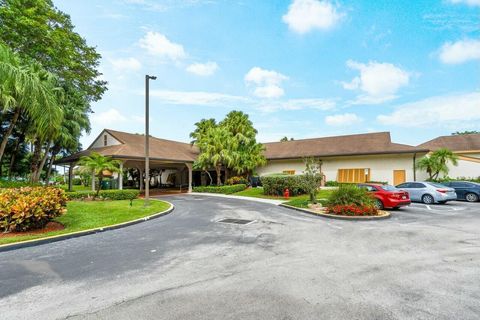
[[332, 183], [236, 180], [129, 194], [448, 179], [17, 184], [348, 194], [275, 185], [77, 181], [28, 208], [221, 189]]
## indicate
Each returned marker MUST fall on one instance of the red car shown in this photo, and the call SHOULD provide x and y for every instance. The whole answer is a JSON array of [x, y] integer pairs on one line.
[[387, 196]]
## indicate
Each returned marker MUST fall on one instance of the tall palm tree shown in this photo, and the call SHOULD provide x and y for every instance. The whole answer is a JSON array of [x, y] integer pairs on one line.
[[98, 164], [29, 89], [437, 162]]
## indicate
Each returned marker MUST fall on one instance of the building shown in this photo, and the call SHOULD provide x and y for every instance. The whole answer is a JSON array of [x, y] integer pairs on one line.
[[466, 147], [349, 158]]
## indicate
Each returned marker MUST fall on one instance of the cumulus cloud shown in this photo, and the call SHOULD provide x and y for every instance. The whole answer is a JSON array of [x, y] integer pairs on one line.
[[203, 69], [266, 83], [159, 45], [472, 3], [377, 82], [125, 64], [342, 119], [460, 51], [306, 15], [456, 110], [106, 118]]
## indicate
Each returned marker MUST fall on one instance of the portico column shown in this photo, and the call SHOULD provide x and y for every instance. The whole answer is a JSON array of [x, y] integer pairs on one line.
[[120, 177], [93, 180], [189, 166], [140, 173], [70, 177]]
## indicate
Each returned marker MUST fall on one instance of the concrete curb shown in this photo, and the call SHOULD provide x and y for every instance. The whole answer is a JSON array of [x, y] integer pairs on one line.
[[60, 237], [227, 196], [331, 216]]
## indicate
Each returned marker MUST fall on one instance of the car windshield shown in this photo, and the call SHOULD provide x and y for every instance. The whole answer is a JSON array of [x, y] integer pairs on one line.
[[437, 185], [388, 187]]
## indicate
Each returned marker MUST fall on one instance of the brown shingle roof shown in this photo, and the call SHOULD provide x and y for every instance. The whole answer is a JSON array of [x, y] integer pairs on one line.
[[465, 142], [357, 144], [133, 146]]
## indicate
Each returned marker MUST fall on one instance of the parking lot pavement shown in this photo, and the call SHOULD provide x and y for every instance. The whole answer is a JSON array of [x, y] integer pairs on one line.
[[423, 263]]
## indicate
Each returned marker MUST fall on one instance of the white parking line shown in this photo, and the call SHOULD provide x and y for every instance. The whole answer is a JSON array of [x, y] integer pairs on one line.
[[428, 207]]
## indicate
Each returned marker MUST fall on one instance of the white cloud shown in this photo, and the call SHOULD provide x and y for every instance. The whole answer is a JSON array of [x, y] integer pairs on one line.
[[266, 82], [378, 82], [110, 117], [297, 104], [455, 110], [306, 15], [125, 64], [196, 98], [159, 45], [203, 69], [472, 3], [460, 51], [342, 119]]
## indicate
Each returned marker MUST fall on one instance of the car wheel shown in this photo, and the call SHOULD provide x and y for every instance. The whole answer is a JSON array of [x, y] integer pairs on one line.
[[471, 197], [427, 199], [378, 204]]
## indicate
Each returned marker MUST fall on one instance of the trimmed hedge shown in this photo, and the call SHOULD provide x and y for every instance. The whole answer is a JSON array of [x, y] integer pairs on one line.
[[275, 185], [236, 180], [17, 184], [221, 189], [28, 208], [128, 194]]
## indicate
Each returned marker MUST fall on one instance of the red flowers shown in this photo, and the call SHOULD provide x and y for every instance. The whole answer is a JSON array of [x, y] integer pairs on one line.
[[352, 210]]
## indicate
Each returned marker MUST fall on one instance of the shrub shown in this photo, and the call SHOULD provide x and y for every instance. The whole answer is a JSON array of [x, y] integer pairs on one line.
[[448, 179], [332, 183], [348, 194], [28, 208], [275, 185], [77, 181], [236, 180], [128, 194], [351, 201], [352, 210], [221, 189], [17, 184]]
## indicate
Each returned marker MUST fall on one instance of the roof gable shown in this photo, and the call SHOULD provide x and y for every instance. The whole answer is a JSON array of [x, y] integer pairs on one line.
[[465, 142]]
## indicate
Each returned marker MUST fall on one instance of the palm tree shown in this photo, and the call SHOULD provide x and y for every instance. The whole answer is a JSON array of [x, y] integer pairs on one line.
[[98, 164], [29, 89], [437, 162], [201, 129]]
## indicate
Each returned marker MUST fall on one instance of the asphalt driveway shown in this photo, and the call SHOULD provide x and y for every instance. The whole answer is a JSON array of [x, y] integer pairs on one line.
[[423, 263]]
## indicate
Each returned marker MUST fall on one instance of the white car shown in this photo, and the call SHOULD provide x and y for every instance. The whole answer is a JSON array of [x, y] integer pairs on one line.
[[428, 192]]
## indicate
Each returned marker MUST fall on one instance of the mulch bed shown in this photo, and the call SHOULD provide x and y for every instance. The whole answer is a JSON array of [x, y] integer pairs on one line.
[[51, 226]]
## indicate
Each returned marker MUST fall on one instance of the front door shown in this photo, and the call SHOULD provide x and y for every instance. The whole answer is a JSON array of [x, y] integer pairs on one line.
[[398, 177]]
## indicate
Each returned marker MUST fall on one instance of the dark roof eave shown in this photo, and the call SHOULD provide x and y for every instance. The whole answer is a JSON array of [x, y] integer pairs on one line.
[[351, 154], [73, 158]]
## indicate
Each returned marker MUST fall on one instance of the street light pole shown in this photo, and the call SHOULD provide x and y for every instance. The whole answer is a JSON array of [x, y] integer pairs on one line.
[[147, 140]]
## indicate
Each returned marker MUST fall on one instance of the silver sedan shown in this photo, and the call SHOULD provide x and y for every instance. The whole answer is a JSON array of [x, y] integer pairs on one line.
[[428, 192]]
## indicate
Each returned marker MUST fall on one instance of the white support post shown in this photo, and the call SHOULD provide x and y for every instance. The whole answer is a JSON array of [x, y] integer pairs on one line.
[[140, 172], [190, 173], [93, 180], [120, 177]]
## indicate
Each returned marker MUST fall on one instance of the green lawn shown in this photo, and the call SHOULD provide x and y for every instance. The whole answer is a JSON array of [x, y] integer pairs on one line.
[[258, 193], [77, 188], [83, 215]]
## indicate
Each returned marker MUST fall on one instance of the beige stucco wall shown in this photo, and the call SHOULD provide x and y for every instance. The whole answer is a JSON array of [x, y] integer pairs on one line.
[[111, 141], [381, 166], [467, 169]]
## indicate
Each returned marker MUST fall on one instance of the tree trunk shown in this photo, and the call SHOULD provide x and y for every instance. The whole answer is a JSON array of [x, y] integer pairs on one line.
[[209, 176], [50, 164], [19, 141], [100, 179], [218, 169], [227, 174], [42, 163], [37, 149], [9, 131]]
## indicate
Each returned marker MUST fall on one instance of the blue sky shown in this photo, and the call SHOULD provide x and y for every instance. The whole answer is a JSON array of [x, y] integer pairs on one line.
[[299, 68]]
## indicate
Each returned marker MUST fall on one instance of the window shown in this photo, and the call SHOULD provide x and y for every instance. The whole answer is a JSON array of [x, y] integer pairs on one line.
[[353, 175], [404, 185], [417, 185], [292, 172], [105, 141]]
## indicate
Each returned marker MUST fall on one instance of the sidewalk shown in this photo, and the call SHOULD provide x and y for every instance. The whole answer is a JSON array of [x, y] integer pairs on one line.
[[269, 201]]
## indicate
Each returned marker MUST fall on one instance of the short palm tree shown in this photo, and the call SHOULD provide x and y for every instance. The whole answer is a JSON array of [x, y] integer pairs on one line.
[[98, 164], [437, 162]]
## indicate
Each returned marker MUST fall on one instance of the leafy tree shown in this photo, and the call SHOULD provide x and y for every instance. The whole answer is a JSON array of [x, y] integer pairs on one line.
[[437, 162], [284, 139], [312, 177], [461, 133], [98, 164], [201, 129]]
